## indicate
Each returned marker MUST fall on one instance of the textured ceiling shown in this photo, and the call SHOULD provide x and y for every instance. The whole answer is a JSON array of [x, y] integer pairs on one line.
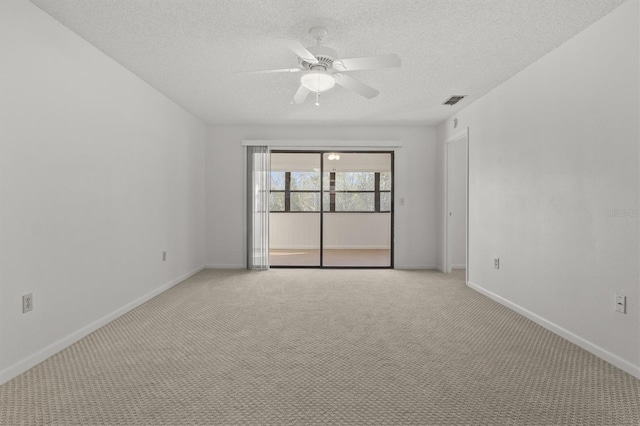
[[190, 49]]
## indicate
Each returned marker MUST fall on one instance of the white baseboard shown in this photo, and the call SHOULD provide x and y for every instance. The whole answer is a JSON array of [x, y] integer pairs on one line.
[[224, 266], [36, 358], [414, 267], [330, 247], [622, 364], [382, 247], [459, 266], [289, 247], [237, 266]]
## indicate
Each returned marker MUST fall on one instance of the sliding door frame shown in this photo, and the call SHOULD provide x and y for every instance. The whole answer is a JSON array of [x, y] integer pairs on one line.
[[321, 152]]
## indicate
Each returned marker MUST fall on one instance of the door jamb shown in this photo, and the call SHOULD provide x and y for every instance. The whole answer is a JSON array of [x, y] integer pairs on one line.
[[464, 135]]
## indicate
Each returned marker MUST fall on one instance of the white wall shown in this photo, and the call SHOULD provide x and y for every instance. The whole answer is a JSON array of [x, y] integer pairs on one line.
[[357, 230], [99, 173], [348, 162], [294, 230], [416, 165], [341, 231], [553, 151]]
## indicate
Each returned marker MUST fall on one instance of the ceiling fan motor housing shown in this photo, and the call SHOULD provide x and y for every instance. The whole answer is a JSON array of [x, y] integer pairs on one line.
[[325, 56]]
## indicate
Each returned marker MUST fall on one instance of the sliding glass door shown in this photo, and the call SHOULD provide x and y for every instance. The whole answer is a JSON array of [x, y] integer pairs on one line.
[[331, 209], [356, 226], [294, 231]]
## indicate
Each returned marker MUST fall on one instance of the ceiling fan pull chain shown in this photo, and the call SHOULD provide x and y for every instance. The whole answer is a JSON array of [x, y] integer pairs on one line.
[[317, 98]]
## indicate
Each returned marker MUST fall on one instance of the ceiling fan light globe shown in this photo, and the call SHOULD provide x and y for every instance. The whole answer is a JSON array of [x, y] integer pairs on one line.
[[318, 81]]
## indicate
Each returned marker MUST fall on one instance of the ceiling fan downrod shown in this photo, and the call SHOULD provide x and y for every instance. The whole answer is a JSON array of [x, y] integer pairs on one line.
[[318, 34]]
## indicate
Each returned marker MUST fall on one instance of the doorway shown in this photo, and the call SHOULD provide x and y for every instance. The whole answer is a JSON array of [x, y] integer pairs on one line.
[[331, 209], [456, 200]]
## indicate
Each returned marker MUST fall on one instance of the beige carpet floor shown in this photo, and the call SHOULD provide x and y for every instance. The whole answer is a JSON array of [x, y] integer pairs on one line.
[[322, 347]]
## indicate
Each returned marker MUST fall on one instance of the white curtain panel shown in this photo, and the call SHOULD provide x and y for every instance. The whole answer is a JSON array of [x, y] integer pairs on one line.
[[258, 185]]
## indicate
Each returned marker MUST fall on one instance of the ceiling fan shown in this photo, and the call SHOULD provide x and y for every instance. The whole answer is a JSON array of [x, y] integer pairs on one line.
[[322, 68]]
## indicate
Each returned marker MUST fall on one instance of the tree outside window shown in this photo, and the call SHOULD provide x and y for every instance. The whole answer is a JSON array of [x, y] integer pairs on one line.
[[342, 192]]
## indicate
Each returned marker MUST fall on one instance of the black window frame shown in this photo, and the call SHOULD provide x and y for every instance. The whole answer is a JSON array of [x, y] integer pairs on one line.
[[287, 196], [376, 198], [332, 195]]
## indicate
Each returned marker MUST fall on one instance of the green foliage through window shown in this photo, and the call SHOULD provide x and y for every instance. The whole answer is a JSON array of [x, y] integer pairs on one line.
[[305, 201], [342, 192], [355, 181], [355, 202], [277, 181], [305, 181], [276, 201]]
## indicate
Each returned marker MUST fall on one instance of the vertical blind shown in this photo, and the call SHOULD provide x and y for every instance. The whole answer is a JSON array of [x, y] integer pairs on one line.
[[258, 185]]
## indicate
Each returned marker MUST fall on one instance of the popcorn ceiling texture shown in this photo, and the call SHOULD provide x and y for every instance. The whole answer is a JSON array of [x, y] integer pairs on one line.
[[190, 49]]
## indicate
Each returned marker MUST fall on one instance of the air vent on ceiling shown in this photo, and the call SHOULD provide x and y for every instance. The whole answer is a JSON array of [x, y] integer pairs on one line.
[[453, 100]]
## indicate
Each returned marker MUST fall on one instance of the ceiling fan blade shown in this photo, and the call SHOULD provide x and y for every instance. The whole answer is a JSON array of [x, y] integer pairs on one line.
[[369, 63], [297, 48], [356, 86], [270, 71], [301, 95]]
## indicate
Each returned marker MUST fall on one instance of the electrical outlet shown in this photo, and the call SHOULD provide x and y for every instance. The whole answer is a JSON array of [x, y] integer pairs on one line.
[[164, 256], [621, 303], [27, 303], [496, 263]]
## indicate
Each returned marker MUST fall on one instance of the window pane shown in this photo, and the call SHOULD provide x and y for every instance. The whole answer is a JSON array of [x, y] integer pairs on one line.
[[305, 181], [326, 201], [385, 201], [276, 202], [305, 201], [355, 202], [385, 181], [277, 181], [355, 181], [326, 181]]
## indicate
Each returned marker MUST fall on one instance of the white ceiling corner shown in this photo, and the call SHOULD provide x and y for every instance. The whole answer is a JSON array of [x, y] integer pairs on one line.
[[190, 49]]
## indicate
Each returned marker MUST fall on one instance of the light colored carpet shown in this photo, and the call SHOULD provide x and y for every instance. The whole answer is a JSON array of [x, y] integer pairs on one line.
[[322, 347], [331, 257]]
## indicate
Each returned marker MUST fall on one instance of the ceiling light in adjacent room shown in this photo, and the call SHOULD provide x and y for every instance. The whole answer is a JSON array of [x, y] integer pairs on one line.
[[333, 156]]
